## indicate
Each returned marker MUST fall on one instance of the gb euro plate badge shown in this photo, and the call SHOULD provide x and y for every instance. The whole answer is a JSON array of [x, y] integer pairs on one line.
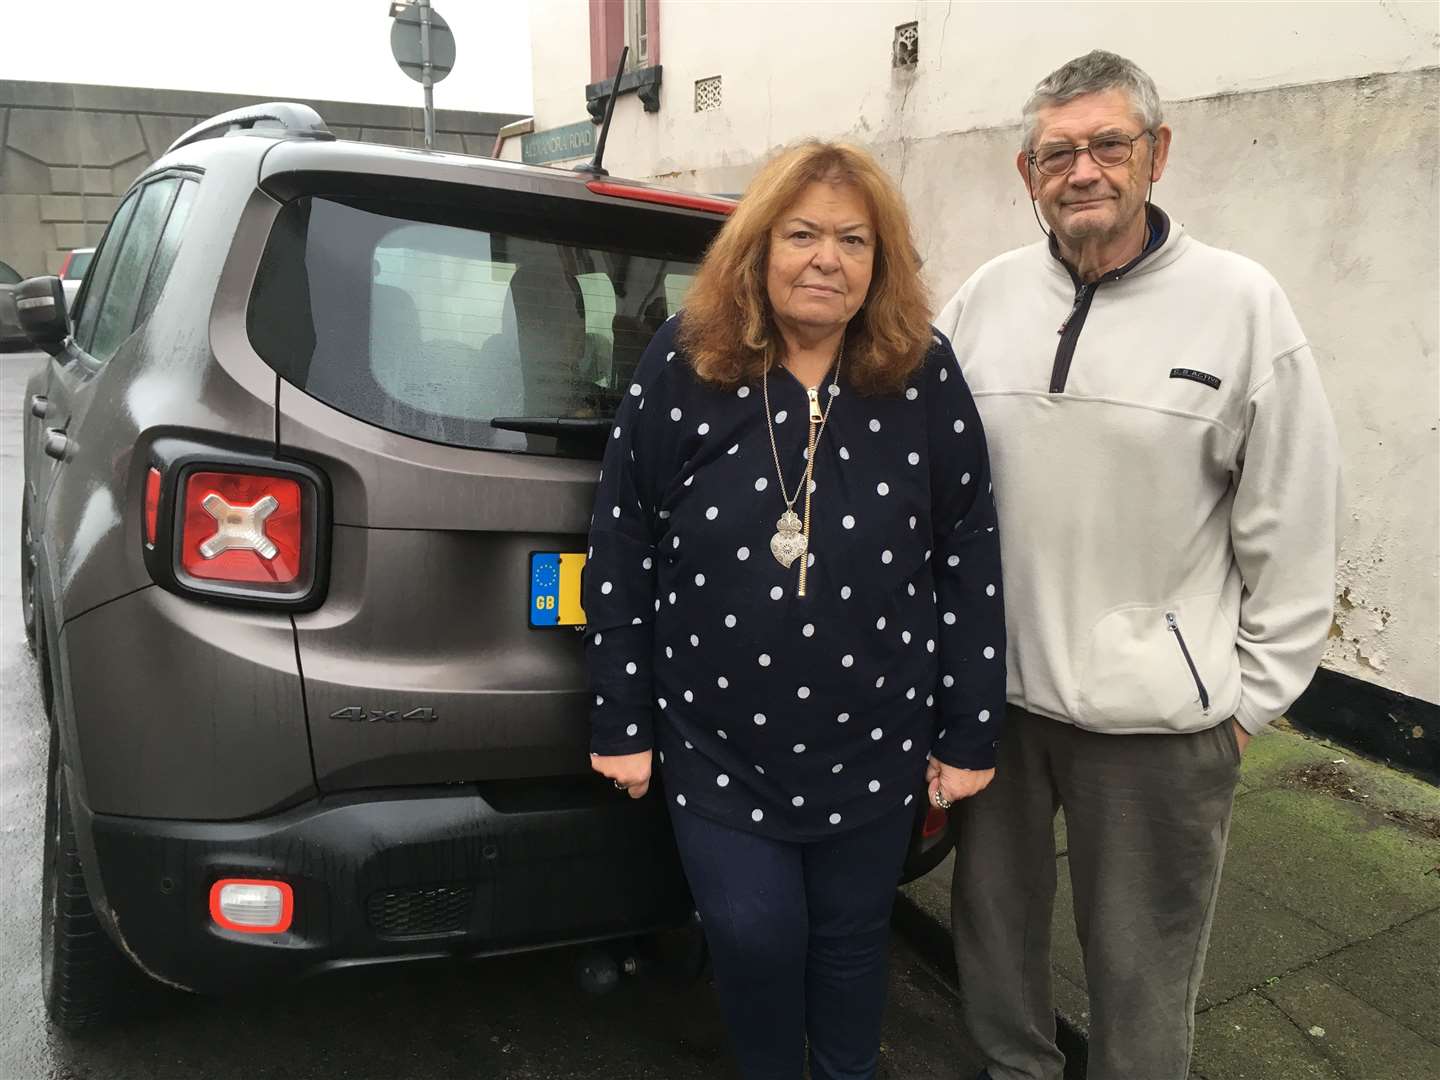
[[555, 589]]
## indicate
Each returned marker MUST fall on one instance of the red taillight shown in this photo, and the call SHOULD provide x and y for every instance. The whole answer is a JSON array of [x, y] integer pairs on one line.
[[65, 264], [242, 527], [252, 906], [235, 526], [660, 195], [935, 822], [152, 505]]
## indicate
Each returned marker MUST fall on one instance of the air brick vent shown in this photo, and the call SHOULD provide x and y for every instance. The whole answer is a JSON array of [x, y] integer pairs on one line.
[[707, 94], [905, 51]]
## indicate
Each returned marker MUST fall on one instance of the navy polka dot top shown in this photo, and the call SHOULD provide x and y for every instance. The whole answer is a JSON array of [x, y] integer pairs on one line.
[[795, 717]]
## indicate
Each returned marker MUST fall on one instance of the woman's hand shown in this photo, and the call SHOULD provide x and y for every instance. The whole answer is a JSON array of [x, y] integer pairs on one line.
[[952, 784], [630, 772]]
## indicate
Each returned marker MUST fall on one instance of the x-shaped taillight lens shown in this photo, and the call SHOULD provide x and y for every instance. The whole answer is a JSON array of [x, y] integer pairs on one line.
[[239, 528], [242, 527]]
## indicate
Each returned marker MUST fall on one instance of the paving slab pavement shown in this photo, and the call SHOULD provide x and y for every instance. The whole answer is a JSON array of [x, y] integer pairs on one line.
[[1325, 956], [1249, 1038], [1400, 967]]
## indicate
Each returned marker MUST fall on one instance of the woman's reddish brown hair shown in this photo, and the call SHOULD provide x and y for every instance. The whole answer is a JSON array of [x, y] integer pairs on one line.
[[727, 328]]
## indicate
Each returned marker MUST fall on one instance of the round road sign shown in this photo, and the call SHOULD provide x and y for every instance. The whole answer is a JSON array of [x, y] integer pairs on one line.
[[405, 44]]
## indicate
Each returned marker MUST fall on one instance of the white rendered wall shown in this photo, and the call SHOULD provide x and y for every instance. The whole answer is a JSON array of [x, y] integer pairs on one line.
[[792, 68], [1284, 151]]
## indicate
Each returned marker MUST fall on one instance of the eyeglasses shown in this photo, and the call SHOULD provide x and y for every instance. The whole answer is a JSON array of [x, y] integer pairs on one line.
[[1106, 151]]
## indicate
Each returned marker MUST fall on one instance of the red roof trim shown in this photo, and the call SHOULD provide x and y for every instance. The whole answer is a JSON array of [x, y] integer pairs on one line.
[[659, 195]]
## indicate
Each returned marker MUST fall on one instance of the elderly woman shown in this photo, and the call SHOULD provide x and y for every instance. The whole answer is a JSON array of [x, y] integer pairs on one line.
[[793, 595]]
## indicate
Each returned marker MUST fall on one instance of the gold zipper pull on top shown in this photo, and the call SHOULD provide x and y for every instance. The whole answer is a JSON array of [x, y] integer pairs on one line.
[[815, 415]]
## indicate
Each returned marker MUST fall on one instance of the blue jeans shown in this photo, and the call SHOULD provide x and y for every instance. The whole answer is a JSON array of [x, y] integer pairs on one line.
[[798, 933]]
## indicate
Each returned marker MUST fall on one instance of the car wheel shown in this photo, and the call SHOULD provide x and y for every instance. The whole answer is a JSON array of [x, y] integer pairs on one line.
[[83, 975], [27, 576]]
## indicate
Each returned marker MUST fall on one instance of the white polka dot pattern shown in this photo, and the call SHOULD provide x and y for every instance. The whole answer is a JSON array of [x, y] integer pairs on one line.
[[895, 476]]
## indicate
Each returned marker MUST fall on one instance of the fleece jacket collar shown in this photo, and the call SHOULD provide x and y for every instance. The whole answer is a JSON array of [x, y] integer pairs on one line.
[[1163, 241]]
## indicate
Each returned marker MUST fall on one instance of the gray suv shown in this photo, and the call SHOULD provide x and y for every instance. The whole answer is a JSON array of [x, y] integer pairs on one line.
[[306, 495]]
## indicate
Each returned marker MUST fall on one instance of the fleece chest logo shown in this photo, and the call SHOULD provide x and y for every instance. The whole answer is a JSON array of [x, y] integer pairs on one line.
[[1202, 377]]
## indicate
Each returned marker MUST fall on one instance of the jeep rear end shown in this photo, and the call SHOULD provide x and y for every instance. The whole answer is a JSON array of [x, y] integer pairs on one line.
[[447, 341]]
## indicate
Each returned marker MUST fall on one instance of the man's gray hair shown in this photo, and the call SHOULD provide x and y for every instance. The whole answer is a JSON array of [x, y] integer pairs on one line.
[[1093, 73]]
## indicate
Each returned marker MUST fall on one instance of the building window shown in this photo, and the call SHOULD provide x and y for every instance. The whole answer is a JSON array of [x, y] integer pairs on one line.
[[615, 23], [637, 33], [707, 94], [905, 51]]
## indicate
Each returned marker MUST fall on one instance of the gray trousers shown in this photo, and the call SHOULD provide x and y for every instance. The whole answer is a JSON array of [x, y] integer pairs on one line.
[[1147, 818]]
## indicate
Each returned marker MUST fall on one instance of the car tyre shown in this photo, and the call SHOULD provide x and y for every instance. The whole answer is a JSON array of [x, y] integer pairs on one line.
[[83, 975]]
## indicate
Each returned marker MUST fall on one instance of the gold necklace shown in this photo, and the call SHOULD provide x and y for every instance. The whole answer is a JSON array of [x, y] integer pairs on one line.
[[792, 536]]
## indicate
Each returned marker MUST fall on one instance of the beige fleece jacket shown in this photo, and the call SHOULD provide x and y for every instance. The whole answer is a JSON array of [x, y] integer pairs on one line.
[[1168, 519]]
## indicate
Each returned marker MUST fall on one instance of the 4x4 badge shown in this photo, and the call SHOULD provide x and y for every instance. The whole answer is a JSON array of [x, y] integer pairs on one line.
[[359, 714]]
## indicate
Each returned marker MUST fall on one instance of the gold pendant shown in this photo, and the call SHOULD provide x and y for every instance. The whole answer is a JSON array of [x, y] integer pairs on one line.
[[788, 543]]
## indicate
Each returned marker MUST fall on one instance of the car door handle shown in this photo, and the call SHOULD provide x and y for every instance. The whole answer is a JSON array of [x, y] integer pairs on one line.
[[39, 406], [55, 443]]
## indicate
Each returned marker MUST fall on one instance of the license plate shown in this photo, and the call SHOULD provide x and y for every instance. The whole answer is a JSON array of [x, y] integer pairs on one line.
[[555, 588]]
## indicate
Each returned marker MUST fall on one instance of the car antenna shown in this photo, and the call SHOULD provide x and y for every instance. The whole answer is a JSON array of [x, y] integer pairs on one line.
[[593, 166]]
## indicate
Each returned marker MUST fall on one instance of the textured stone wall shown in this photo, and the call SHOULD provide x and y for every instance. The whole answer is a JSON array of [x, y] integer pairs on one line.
[[68, 152]]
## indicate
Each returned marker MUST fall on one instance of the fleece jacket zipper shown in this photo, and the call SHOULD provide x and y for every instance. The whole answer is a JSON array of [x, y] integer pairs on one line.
[[1085, 294], [1174, 625]]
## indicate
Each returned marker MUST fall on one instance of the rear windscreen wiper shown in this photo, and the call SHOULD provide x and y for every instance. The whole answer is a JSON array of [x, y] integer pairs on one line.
[[561, 427]]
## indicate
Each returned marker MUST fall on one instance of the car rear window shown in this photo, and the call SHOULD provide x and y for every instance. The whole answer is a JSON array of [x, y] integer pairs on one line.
[[434, 322]]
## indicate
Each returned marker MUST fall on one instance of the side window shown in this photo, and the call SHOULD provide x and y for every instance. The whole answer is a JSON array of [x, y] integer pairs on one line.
[[93, 291], [168, 249], [116, 316]]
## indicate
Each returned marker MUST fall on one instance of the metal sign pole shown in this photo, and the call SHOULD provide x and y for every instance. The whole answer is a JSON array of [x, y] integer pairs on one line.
[[427, 79], [424, 47]]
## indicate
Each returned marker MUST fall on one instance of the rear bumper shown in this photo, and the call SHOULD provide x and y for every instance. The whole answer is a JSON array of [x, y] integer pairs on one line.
[[378, 876]]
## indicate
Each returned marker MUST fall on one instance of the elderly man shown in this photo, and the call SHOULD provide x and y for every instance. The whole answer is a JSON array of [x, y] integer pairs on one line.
[[1166, 473]]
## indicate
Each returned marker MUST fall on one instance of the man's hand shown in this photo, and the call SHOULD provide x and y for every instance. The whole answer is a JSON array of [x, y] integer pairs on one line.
[[954, 784], [628, 771], [1242, 737]]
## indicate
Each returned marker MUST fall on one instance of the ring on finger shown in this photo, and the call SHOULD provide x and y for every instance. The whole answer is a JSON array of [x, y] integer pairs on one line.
[[619, 786], [942, 802]]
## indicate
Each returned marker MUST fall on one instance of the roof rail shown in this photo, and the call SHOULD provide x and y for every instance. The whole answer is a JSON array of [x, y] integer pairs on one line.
[[295, 119]]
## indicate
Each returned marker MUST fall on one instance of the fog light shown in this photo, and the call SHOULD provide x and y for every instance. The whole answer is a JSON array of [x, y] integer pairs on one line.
[[252, 906]]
